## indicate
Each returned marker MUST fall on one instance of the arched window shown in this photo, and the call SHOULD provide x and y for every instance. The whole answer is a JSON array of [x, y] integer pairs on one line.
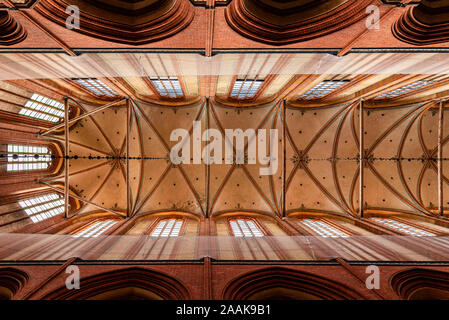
[[96, 87], [168, 86], [245, 88], [323, 228], [168, 228], [323, 88], [403, 228], [43, 207], [43, 108], [405, 89], [95, 229], [245, 228], [27, 158]]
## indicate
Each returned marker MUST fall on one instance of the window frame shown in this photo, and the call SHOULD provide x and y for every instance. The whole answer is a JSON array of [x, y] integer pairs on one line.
[[85, 85], [155, 87], [36, 99], [400, 231], [34, 198], [329, 224], [316, 88], [49, 163], [76, 233], [385, 96], [55, 168], [258, 225], [159, 221], [246, 97]]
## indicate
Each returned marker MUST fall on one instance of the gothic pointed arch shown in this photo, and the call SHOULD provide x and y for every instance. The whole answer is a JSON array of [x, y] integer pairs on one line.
[[421, 284], [282, 22], [427, 23], [123, 21], [11, 281], [283, 283], [131, 283], [11, 31]]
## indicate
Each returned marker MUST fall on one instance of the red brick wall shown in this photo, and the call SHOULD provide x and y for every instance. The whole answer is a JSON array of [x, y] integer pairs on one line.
[[192, 276]]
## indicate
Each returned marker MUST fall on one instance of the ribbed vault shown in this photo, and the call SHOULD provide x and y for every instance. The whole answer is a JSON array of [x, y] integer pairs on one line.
[[321, 160]]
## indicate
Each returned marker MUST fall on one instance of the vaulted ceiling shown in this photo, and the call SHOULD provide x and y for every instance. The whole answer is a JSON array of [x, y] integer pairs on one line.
[[214, 26], [321, 160], [321, 139]]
